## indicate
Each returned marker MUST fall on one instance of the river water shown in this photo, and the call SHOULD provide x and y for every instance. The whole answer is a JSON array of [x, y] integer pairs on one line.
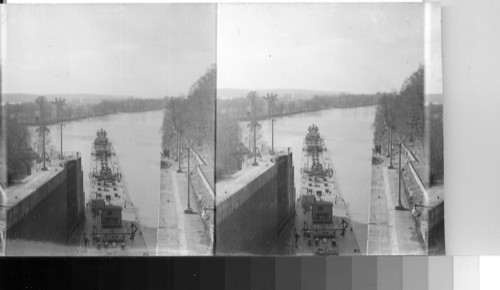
[[348, 136], [136, 138]]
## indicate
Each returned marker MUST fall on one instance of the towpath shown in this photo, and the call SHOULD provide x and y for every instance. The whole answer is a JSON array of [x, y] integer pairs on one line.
[[390, 231], [179, 233]]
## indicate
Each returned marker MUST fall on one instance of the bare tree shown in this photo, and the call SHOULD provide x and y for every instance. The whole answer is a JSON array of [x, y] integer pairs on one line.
[[271, 101], [252, 96], [18, 140], [42, 129], [59, 103]]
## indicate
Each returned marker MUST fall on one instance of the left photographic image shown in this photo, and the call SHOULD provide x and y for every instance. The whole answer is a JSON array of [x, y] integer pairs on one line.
[[98, 103]]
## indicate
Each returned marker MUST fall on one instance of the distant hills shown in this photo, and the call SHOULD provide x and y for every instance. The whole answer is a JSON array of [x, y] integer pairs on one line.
[[70, 98], [293, 93]]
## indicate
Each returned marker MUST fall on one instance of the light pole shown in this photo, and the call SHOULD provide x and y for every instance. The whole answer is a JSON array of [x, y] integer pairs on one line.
[[179, 170], [390, 149], [272, 136], [255, 144], [188, 209], [175, 132], [399, 206], [62, 156], [43, 146], [40, 101], [388, 143]]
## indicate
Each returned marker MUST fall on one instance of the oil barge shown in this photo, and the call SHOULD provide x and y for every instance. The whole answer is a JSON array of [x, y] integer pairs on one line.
[[111, 223], [322, 215]]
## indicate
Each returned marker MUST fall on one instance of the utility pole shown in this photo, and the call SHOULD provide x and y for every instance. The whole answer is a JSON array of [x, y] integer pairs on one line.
[[255, 143], [388, 144], [179, 170], [62, 156], [390, 149], [272, 136], [188, 209], [40, 101], [399, 206]]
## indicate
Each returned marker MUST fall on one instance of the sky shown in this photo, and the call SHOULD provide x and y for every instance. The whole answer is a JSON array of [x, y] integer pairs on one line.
[[146, 51], [433, 56], [356, 48]]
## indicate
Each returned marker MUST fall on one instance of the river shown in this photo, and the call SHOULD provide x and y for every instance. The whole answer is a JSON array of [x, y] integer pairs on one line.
[[348, 135], [136, 138], [137, 141]]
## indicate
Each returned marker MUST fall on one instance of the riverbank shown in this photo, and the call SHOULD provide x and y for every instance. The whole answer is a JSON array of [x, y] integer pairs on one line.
[[54, 122], [262, 118]]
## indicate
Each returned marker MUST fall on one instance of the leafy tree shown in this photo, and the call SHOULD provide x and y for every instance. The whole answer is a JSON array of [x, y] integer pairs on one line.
[[193, 116], [228, 146], [18, 140], [201, 107], [410, 112], [385, 117]]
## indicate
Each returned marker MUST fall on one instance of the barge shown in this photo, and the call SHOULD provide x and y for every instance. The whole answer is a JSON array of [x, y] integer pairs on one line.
[[111, 223], [323, 225]]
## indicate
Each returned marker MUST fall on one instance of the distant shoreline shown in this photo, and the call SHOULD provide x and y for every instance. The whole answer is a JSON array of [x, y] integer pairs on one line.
[[261, 118], [87, 117]]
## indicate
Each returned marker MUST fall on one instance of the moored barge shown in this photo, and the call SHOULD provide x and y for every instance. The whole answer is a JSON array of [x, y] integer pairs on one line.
[[111, 223], [323, 225]]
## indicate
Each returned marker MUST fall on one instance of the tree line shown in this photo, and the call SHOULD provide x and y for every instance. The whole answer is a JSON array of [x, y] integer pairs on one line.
[[273, 105], [59, 109], [405, 116], [191, 118], [231, 149]]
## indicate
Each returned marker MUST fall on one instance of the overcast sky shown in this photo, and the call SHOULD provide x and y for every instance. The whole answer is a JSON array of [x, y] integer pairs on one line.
[[358, 48], [133, 50]]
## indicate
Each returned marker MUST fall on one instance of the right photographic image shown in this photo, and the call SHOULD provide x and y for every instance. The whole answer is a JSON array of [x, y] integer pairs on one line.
[[329, 130]]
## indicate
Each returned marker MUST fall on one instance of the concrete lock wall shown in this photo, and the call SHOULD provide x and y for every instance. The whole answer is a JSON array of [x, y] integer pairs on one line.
[[75, 196], [251, 220], [247, 222], [286, 191], [53, 211], [42, 215], [436, 225]]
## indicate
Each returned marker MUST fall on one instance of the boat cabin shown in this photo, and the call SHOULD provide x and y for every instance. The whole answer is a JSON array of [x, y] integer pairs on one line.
[[111, 216], [322, 212]]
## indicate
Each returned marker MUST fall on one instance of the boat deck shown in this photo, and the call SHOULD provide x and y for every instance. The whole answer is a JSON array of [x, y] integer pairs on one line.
[[324, 189], [117, 191]]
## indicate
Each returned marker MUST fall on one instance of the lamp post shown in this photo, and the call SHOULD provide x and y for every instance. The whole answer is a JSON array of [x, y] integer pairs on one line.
[[390, 149], [177, 136], [43, 146], [255, 143], [40, 101], [399, 206], [179, 170], [62, 156], [272, 136], [188, 209]]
